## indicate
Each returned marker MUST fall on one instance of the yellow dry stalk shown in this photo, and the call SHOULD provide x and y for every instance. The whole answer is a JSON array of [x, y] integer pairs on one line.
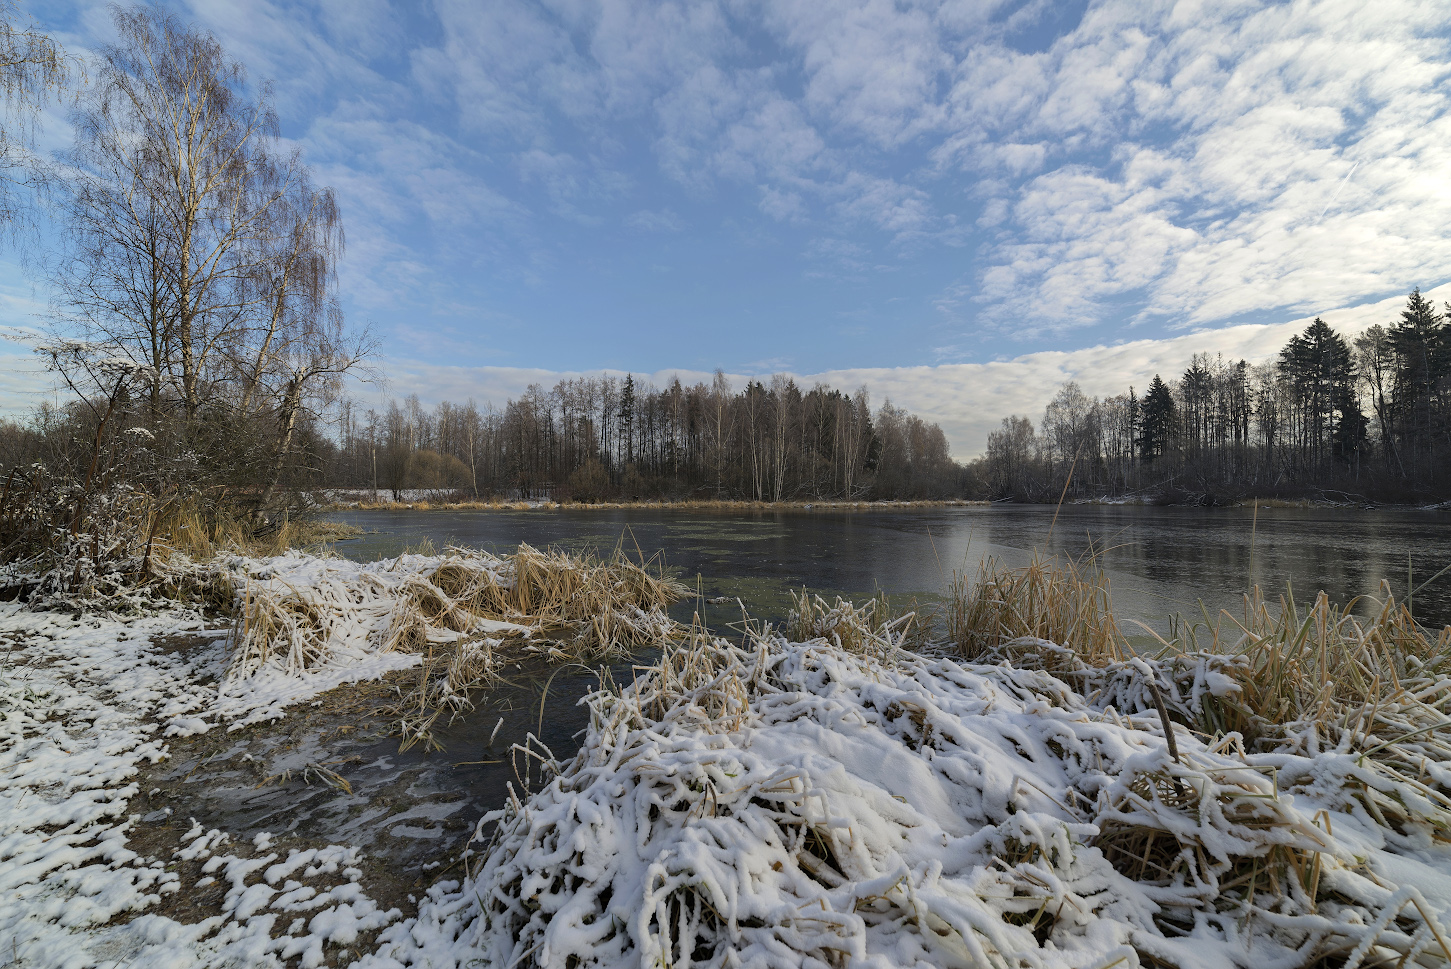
[[1377, 674], [1067, 604], [873, 627], [697, 678], [554, 588], [1140, 840]]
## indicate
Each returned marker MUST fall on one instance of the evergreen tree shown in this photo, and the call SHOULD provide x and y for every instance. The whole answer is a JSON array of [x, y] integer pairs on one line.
[[1419, 341], [1318, 367], [627, 418], [1158, 417]]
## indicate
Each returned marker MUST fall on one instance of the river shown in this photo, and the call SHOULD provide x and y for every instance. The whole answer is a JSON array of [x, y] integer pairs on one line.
[[1160, 561]]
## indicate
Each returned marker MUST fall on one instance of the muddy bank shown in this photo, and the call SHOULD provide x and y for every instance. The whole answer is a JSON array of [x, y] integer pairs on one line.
[[332, 773]]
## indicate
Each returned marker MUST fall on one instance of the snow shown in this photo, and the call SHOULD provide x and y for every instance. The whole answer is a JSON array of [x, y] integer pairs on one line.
[[800, 806], [773, 804], [84, 703]]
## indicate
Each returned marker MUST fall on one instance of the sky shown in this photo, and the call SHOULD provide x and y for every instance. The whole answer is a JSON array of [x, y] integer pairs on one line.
[[958, 204]]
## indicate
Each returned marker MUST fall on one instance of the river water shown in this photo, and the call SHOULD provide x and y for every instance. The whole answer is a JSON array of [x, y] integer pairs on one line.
[[1160, 561]]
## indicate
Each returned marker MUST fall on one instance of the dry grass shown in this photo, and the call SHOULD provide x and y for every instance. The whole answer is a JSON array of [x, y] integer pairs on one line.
[[182, 528], [1208, 836], [682, 505], [595, 607], [423, 505], [1363, 678], [1321, 664], [1158, 830], [1068, 605], [873, 627], [459, 612]]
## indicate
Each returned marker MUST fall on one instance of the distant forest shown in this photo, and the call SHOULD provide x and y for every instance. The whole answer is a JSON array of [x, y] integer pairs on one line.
[[1345, 420], [601, 438], [1364, 419]]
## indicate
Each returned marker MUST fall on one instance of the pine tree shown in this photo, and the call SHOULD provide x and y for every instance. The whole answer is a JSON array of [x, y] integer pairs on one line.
[[1318, 366], [627, 418]]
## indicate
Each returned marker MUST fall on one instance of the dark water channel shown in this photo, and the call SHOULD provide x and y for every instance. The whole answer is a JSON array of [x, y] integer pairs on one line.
[[1160, 561]]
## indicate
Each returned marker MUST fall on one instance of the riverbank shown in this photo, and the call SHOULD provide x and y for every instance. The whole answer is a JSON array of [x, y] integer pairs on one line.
[[185, 786], [431, 501], [827, 797]]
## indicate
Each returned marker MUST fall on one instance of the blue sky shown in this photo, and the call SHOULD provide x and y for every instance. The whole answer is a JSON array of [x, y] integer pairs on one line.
[[898, 191]]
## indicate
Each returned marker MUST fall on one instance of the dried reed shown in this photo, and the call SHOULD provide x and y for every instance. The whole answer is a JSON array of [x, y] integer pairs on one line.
[[1363, 679], [458, 611], [869, 628], [1068, 605]]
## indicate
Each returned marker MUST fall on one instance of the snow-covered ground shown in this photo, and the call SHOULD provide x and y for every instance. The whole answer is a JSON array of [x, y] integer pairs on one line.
[[86, 702], [799, 806], [773, 805]]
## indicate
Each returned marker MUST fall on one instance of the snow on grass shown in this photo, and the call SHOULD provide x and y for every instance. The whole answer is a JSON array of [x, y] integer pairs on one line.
[[797, 805], [777, 804], [87, 700]]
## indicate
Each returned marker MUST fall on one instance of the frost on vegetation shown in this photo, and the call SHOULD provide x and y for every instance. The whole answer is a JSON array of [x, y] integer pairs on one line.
[[306, 623], [870, 627], [835, 802], [801, 805]]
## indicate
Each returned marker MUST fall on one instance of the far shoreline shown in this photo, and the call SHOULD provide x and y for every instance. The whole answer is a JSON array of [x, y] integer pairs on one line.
[[544, 504], [426, 504]]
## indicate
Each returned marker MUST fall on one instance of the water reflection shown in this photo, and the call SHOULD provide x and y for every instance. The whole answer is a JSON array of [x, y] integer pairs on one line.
[[1161, 561]]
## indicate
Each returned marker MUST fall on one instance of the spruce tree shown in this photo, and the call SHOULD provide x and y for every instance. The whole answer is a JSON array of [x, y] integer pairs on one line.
[[1158, 419], [1419, 341], [627, 418]]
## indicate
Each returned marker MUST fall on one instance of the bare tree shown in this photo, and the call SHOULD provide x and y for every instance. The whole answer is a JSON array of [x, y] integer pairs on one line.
[[202, 254], [720, 397], [317, 358], [174, 202], [1375, 361], [33, 69]]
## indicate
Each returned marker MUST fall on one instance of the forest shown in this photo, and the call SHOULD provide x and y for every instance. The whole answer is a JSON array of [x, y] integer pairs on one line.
[[1344, 420], [594, 438]]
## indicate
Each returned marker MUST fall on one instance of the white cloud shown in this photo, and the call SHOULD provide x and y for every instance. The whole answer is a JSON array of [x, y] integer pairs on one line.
[[1256, 115], [873, 68], [1161, 165]]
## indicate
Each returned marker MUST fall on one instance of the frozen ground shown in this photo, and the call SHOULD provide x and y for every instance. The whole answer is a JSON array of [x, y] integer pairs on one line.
[[794, 805], [778, 805], [87, 704]]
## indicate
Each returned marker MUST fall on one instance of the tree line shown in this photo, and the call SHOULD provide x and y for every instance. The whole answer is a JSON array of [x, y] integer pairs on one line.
[[605, 437], [1368, 418]]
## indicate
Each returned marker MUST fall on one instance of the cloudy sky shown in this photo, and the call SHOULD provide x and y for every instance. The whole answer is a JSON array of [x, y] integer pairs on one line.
[[960, 203]]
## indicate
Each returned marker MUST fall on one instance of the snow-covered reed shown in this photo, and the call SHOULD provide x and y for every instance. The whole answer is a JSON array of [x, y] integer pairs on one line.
[[797, 804], [870, 627], [299, 615]]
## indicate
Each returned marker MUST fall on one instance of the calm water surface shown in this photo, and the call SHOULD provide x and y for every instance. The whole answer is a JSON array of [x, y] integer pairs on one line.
[[1160, 561]]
